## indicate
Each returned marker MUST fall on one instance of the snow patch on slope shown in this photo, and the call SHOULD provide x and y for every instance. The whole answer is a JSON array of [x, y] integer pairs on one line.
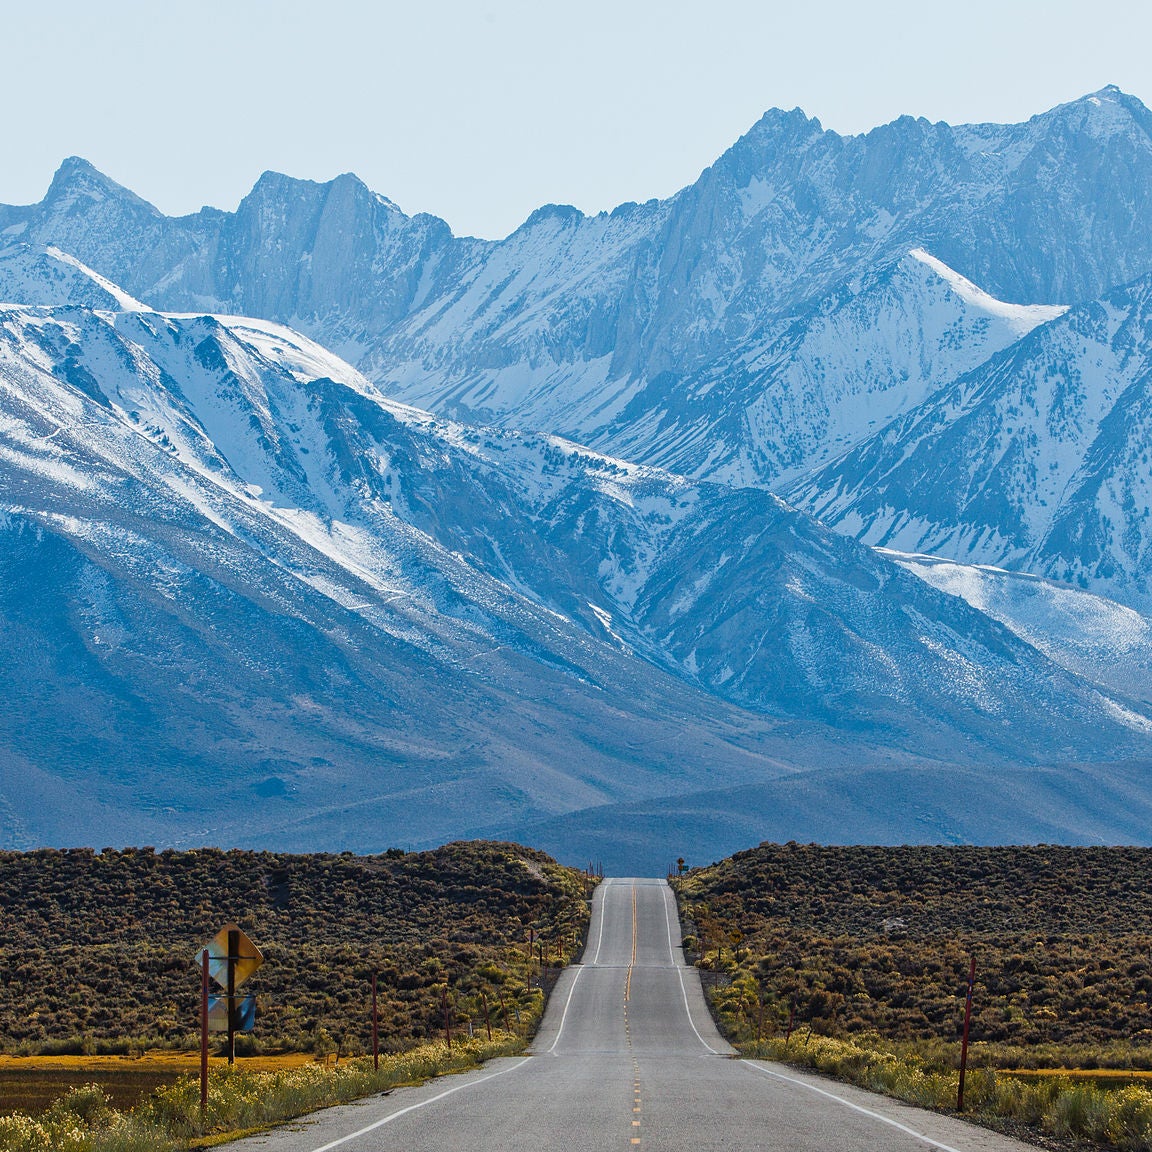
[[1090, 635], [127, 303], [1021, 318], [50, 277]]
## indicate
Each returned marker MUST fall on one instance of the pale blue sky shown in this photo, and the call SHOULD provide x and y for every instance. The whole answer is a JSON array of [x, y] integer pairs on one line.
[[482, 111]]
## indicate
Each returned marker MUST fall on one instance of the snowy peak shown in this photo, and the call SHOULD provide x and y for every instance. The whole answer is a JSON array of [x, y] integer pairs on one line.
[[773, 139], [1104, 114], [1035, 460], [810, 388], [78, 184], [555, 216], [276, 187]]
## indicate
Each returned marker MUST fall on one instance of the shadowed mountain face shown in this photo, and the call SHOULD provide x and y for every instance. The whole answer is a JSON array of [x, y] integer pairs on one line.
[[253, 598]]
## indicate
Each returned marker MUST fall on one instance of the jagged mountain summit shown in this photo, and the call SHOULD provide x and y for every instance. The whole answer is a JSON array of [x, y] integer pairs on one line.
[[591, 326]]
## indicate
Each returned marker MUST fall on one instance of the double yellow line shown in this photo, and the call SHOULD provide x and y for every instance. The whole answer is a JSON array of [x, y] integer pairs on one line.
[[627, 996], [632, 962]]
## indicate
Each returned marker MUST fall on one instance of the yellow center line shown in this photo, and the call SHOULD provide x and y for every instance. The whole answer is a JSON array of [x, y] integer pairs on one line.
[[627, 997], [632, 962]]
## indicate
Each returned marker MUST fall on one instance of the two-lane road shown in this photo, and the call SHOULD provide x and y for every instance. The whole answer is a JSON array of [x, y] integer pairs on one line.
[[628, 1058]]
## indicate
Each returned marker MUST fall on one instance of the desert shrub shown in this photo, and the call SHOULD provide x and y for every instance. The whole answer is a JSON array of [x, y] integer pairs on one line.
[[97, 955]]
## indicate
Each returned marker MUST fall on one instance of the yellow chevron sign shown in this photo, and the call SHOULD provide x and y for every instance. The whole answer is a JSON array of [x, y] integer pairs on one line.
[[246, 956]]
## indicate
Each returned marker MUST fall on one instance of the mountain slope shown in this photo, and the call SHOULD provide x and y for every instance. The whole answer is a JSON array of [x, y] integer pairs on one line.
[[1036, 461], [807, 389], [1106, 642], [251, 600], [192, 661]]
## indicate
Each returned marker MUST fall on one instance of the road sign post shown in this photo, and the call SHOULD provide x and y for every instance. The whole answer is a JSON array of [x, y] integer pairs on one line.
[[233, 956], [375, 1029], [204, 1034], [487, 1017], [229, 958]]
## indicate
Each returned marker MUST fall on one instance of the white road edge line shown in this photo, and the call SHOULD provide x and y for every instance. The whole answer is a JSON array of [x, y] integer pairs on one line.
[[600, 937], [576, 980], [668, 925], [422, 1104], [567, 1005], [680, 976], [855, 1107]]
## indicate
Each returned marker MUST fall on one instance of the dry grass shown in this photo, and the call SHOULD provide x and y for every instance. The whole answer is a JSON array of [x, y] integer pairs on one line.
[[31, 1083], [876, 939], [96, 956], [1058, 1105], [239, 1101]]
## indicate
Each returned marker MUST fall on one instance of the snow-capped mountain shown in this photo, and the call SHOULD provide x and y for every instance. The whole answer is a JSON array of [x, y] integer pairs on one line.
[[200, 649], [806, 390], [251, 598], [253, 595], [586, 326], [1036, 460]]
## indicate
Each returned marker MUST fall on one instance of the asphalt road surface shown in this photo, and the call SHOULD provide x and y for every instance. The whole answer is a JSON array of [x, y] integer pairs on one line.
[[628, 1058]]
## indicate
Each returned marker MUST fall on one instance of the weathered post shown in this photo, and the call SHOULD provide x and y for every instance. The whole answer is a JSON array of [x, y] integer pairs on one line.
[[204, 1034], [447, 1021], [487, 1016], [233, 956], [964, 1041], [375, 1029]]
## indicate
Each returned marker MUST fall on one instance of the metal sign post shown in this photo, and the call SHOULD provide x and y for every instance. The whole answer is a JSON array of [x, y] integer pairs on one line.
[[487, 1016], [233, 957]]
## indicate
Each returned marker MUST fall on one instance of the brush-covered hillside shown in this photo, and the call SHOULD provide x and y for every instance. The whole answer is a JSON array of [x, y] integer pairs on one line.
[[99, 948], [866, 939]]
